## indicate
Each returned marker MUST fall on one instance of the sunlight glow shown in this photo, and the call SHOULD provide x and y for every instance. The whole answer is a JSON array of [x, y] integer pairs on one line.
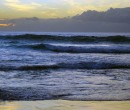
[[6, 25], [55, 8]]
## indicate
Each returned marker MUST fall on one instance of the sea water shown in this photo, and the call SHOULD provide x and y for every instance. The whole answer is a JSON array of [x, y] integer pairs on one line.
[[72, 66]]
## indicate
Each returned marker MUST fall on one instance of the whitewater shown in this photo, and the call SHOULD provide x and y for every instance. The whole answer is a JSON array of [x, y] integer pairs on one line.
[[72, 66]]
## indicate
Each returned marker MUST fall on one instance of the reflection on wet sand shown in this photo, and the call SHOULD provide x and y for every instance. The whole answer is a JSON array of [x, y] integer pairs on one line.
[[9, 106], [65, 105]]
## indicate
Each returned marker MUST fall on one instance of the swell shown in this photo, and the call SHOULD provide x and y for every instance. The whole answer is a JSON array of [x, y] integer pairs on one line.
[[100, 48], [74, 65], [114, 39]]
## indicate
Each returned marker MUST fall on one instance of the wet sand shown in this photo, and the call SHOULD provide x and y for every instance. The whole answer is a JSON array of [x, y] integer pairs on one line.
[[65, 105]]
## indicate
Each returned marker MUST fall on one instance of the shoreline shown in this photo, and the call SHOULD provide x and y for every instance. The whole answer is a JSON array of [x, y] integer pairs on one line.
[[64, 105]]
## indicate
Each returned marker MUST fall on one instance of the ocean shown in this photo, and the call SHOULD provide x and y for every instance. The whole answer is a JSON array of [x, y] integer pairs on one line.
[[70, 66]]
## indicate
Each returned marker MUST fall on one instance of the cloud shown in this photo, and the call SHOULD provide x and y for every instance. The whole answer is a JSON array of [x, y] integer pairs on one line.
[[55, 8], [7, 25], [17, 5], [1, 19], [112, 20], [74, 7], [79, 6], [12, 1], [32, 8], [117, 15]]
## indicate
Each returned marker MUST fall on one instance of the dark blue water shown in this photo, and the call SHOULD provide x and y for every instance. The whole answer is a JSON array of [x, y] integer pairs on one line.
[[73, 66]]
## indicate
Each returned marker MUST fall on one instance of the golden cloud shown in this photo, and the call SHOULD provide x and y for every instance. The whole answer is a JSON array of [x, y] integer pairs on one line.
[[1, 19], [7, 25], [17, 5], [79, 6], [57, 8]]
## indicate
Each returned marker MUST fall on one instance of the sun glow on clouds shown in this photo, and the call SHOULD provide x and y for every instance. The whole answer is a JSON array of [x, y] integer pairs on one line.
[[56, 8], [17, 5], [31, 8], [78, 6], [7, 25], [1, 19]]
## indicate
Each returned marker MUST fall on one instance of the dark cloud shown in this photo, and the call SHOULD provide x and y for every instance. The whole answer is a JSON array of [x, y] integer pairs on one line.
[[118, 15], [113, 20]]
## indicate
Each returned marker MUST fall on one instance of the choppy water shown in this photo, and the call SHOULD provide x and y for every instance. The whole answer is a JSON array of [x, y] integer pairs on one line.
[[74, 66]]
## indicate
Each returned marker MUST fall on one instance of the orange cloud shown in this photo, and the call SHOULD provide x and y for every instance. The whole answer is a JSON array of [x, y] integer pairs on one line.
[[7, 25], [1, 19]]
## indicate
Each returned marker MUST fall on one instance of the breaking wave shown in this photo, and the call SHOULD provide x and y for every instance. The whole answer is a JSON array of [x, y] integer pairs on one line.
[[115, 39], [74, 65], [90, 48]]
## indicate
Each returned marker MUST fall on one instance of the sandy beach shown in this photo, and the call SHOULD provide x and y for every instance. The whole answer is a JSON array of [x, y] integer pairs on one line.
[[65, 105]]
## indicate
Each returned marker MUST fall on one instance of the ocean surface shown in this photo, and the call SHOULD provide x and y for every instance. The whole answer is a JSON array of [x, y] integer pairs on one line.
[[70, 66]]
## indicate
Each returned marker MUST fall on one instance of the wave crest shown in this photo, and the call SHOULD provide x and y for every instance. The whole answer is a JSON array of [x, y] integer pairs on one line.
[[75, 65], [115, 39], [89, 48]]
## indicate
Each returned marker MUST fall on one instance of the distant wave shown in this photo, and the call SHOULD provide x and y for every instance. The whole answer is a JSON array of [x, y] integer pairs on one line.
[[90, 48], [74, 65], [80, 39]]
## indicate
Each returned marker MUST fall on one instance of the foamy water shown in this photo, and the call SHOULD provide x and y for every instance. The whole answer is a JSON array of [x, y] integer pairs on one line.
[[72, 66]]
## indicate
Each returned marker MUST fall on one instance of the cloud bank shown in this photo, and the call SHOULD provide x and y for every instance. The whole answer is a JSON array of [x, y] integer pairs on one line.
[[112, 20], [55, 8]]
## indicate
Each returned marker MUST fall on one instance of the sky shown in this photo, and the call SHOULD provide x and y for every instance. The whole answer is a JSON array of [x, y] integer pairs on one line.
[[10, 9], [65, 15]]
